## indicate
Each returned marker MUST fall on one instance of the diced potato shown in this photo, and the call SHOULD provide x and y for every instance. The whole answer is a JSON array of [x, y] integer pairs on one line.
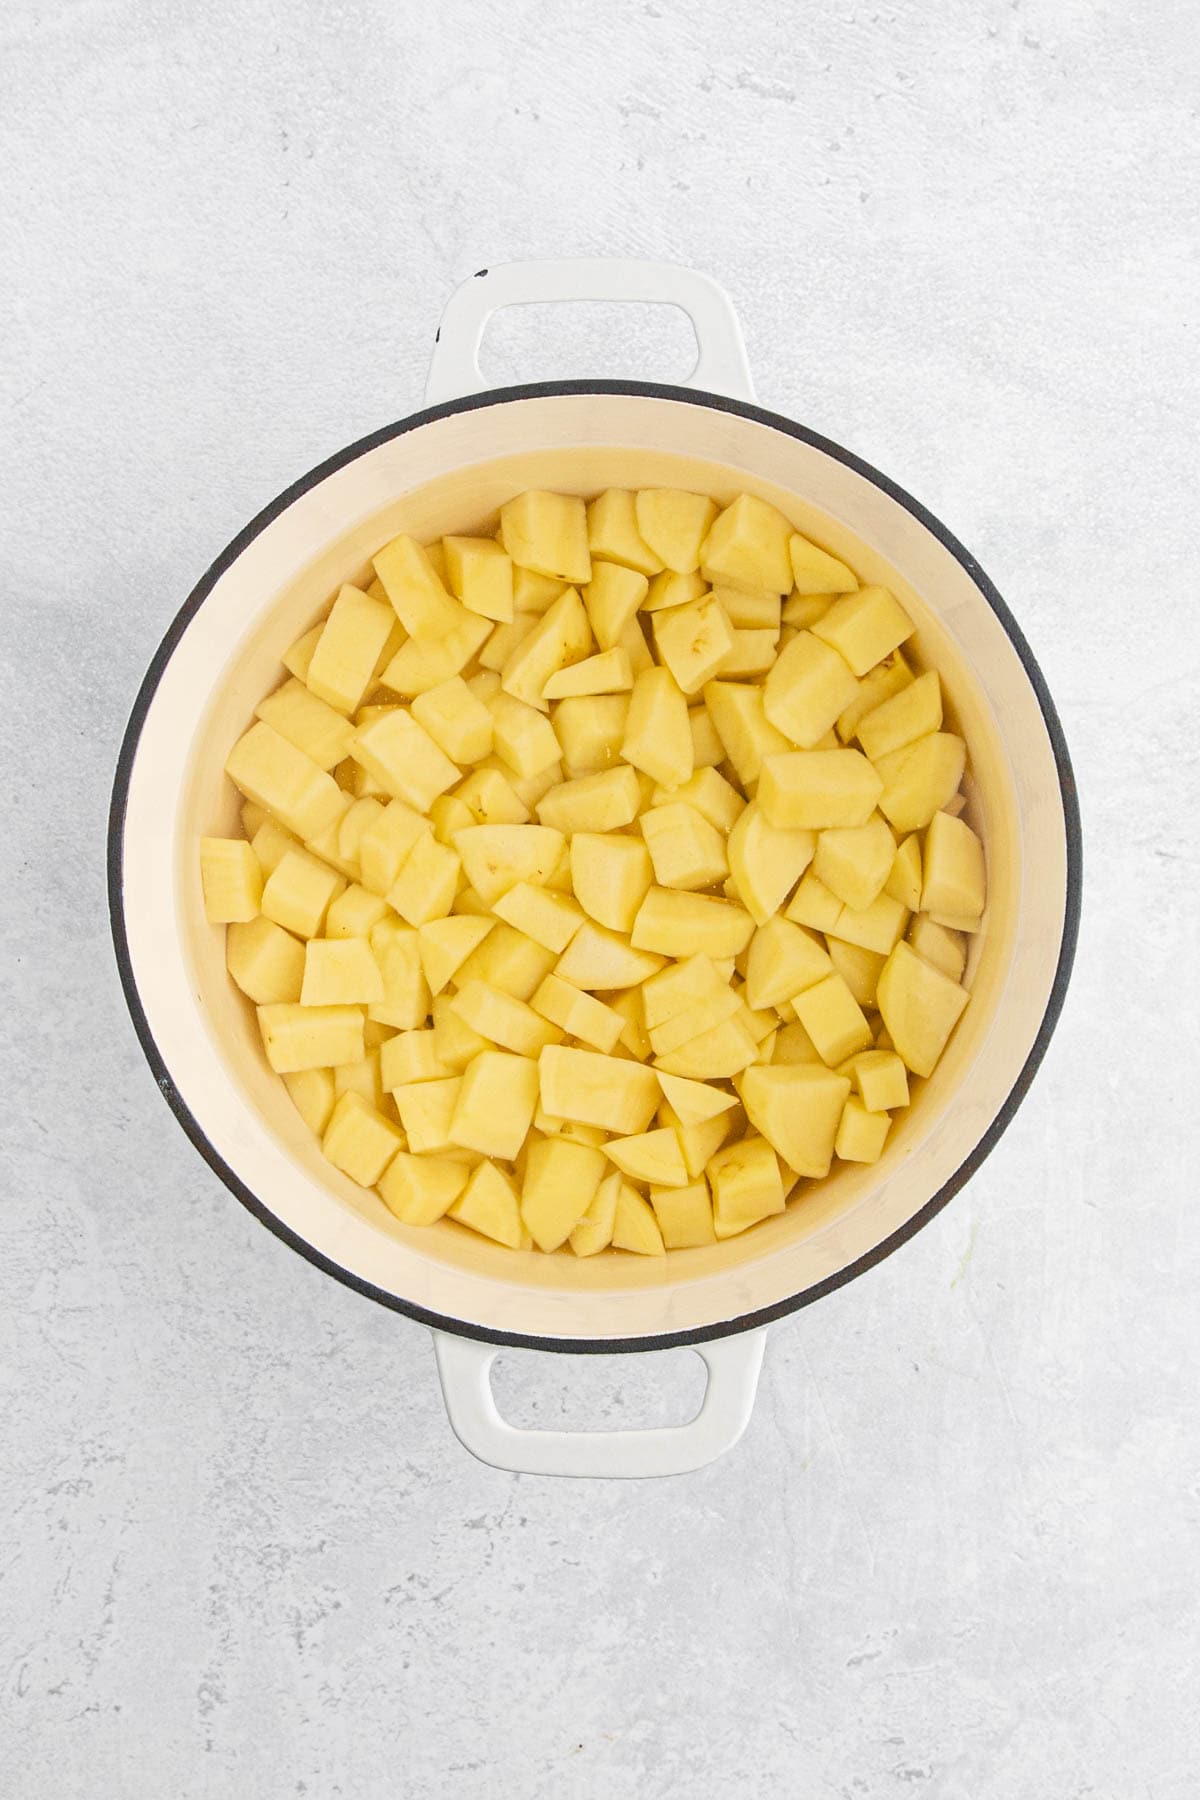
[[560, 1182], [741, 724], [299, 655], [611, 599], [590, 731], [426, 1109], [700, 1015], [232, 880], [833, 1020], [904, 880], [481, 574], [546, 1126], [342, 666], [946, 950], [489, 1205], [618, 1096], [802, 611], [808, 686], [508, 959], [860, 969], [687, 852], [955, 882], [411, 1056], [796, 1106], [658, 735], [607, 673], [653, 1156], [855, 861], [634, 1224], [312, 1037], [675, 525], [815, 571], [497, 857], [611, 875], [746, 1185], [549, 919], [386, 842], [918, 780], [714, 798], [274, 774], [669, 589], [415, 589], [495, 1105], [313, 726], [597, 958], [362, 1078], [579, 1014], [716, 1054], [633, 642], [864, 627], [312, 1094], [352, 827], [503, 1019], [678, 924], [861, 1134], [561, 636], [793, 1045], [750, 612], [920, 1007], [355, 913], [504, 639], [533, 593], [816, 789], [360, 1141], [813, 905], [693, 641], [486, 797], [340, 973], [784, 960], [747, 546], [404, 759], [880, 1080], [424, 663], [405, 1003], [459, 724], [601, 802], [419, 1189], [427, 882], [453, 1039], [594, 1231], [766, 861], [879, 684], [752, 653], [525, 740], [298, 891], [613, 533], [444, 944], [684, 1215], [266, 962], [912, 713]]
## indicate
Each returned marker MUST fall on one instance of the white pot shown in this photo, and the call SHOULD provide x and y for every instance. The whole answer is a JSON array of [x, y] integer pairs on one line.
[[448, 468]]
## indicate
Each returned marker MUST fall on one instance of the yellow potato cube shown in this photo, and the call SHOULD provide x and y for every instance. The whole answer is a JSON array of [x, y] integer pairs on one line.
[[503, 1019], [361, 1078], [611, 876], [298, 891], [277, 776], [714, 798], [653, 1156], [880, 683], [700, 1142], [487, 797], [611, 599], [634, 1224], [813, 905], [311, 1037], [910, 714], [424, 663], [796, 1107], [453, 1039], [658, 734], [633, 1040], [409, 1057], [920, 779], [815, 789], [678, 924], [549, 919], [955, 882], [752, 653], [616, 1095], [607, 673], [750, 612], [593, 803], [419, 1189], [594, 1231], [525, 740], [359, 1141], [578, 1014], [591, 731], [533, 593], [784, 960], [793, 1045], [904, 880], [860, 969], [855, 861], [697, 1016], [945, 949], [613, 532], [504, 639], [343, 664], [684, 1215], [714, 1055], [508, 959], [426, 1109], [920, 1007], [833, 1020], [668, 589], [427, 882], [297, 657], [802, 611], [559, 1183], [687, 852], [766, 861], [547, 533], [340, 973], [808, 686], [481, 574], [694, 1102], [746, 1185], [675, 525], [561, 636], [405, 1003], [814, 571], [311, 1092], [445, 944], [880, 1080], [747, 547], [266, 962], [633, 642], [693, 641], [459, 724], [352, 827], [598, 958], [488, 1205], [736, 711], [497, 857], [355, 913], [231, 879], [415, 589], [386, 842], [404, 759], [862, 1134], [495, 1103], [313, 726], [864, 627]]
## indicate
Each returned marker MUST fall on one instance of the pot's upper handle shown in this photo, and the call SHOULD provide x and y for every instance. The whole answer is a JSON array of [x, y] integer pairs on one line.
[[721, 365], [733, 1364]]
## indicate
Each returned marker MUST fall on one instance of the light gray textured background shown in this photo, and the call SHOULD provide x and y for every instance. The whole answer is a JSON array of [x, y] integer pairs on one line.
[[955, 1555]]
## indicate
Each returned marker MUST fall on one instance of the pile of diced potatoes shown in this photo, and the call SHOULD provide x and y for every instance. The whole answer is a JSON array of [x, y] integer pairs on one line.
[[603, 880]]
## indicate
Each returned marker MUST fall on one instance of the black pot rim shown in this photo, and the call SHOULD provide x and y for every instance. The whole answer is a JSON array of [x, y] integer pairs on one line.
[[721, 1328]]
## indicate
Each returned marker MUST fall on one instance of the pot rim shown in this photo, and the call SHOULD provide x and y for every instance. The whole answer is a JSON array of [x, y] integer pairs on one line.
[[532, 1341]]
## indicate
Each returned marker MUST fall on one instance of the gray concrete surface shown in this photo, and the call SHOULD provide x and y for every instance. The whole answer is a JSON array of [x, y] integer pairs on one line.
[[955, 1556]]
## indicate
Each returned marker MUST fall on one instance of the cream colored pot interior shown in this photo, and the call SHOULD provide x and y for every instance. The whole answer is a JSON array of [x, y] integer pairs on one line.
[[451, 474]]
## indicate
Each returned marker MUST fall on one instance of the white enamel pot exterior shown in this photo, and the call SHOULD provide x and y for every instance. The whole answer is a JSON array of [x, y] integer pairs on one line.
[[448, 468]]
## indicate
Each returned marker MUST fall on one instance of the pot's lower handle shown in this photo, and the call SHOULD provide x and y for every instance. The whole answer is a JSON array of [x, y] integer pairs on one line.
[[733, 1364], [721, 365]]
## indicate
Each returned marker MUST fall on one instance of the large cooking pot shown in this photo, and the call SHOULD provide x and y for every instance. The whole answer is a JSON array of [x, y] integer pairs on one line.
[[448, 468]]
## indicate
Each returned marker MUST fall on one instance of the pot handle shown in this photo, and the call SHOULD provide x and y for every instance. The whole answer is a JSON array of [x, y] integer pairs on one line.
[[733, 1364], [721, 365]]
